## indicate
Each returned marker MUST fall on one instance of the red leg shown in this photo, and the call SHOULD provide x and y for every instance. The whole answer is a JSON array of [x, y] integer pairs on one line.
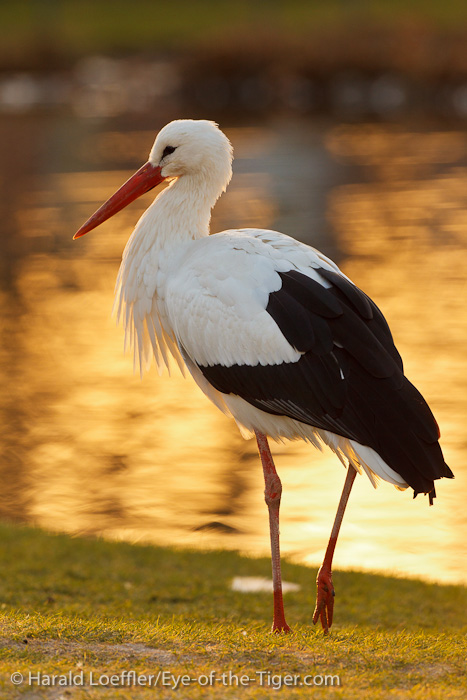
[[272, 496], [325, 595]]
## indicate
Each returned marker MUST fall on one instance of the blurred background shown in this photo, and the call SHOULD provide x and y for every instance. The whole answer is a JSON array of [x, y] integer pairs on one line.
[[348, 121]]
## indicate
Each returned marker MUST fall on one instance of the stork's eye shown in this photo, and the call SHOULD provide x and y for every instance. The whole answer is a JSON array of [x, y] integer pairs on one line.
[[168, 150]]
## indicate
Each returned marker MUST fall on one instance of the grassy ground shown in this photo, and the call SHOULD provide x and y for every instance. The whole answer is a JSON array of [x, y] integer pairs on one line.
[[89, 606]]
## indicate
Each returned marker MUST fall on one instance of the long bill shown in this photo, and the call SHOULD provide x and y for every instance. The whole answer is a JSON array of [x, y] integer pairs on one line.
[[142, 181]]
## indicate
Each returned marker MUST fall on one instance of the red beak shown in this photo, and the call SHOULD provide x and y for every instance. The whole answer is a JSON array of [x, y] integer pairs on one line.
[[141, 182]]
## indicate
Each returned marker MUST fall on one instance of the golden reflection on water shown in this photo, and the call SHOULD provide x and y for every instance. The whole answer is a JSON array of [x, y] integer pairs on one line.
[[94, 450]]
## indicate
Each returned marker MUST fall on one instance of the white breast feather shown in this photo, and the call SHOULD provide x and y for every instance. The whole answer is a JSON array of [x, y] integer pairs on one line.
[[138, 305]]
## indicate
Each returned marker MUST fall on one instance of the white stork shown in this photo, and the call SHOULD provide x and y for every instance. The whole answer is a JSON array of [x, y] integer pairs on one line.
[[272, 332]]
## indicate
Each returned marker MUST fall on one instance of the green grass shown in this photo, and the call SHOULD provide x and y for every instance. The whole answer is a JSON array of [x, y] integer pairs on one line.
[[84, 605]]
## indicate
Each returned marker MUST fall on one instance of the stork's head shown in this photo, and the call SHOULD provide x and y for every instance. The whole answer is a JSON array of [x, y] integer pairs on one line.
[[193, 147], [184, 148]]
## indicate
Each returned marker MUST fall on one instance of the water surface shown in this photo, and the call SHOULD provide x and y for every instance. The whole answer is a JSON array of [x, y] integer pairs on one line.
[[89, 448]]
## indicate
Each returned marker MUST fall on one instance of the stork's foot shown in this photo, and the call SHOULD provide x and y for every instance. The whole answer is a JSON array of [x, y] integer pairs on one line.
[[279, 628], [279, 624], [324, 599]]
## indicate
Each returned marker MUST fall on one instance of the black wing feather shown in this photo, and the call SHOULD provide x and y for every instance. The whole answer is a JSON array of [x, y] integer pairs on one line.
[[349, 379]]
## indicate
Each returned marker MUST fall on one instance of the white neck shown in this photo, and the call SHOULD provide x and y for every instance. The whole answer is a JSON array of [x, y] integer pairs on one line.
[[185, 208], [180, 213]]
